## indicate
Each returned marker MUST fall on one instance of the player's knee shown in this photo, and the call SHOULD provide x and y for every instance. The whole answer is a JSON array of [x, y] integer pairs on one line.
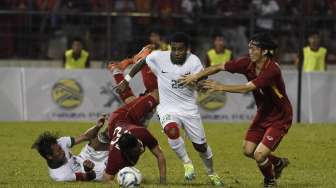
[[248, 152], [259, 156], [202, 148], [172, 130]]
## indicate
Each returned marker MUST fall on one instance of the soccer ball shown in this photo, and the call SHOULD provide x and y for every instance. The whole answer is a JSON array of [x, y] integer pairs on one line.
[[129, 177]]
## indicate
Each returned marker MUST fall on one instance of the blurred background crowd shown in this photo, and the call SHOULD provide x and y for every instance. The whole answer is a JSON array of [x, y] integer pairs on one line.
[[114, 29]]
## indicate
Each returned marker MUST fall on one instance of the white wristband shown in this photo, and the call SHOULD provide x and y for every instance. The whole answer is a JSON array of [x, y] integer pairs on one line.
[[128, 78]]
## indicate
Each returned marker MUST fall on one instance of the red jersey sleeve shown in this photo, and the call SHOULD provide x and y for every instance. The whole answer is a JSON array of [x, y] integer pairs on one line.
[[237, 65], [266, 77], [145, 136]]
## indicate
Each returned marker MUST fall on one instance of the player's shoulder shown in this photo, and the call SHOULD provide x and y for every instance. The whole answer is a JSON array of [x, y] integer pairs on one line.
[[139, 132], [244, 59], [64, 140], [273, 67], [136, 129], [194, 58], [158, 53]]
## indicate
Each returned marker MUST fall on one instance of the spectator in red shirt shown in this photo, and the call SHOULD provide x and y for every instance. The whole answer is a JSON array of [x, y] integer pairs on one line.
[[274, 110]]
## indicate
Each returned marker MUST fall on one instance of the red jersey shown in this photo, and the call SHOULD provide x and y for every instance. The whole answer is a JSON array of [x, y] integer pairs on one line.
[[274, 107], [116, 160]]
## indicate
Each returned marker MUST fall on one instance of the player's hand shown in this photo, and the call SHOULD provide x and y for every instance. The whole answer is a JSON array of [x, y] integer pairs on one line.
[[210, 85], [189, 79], [88, 165], [121, 87], [101, 120]]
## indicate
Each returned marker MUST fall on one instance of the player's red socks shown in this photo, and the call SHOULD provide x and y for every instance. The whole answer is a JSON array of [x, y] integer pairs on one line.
[[276, 161], [128, 92], [266, 168]]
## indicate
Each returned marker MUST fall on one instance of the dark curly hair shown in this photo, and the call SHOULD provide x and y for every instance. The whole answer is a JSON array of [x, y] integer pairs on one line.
[[265, 42], [180, 37], [127, 143], [43, 143]]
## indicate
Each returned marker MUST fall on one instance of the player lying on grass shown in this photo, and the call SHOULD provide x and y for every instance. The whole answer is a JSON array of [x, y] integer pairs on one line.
[[178, 108], [274, 110], [63, 165]]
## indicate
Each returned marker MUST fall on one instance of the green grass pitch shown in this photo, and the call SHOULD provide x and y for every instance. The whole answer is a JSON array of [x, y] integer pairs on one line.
[[310, 148]]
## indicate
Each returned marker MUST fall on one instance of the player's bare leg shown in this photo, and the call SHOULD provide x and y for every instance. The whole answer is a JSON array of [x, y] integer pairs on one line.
[[117, 71], [177, 144], [261, 155], [206, 155]]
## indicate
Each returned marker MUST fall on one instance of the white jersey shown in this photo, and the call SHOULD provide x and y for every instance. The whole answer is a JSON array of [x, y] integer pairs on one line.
[[174, 98], [67, 172], [99, 158]]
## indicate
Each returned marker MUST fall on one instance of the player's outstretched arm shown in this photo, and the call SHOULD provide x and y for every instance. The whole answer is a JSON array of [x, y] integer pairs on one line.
[[107, 178], [91, 132], [212, 86], [192, 78], [157, 152], [121, 87]]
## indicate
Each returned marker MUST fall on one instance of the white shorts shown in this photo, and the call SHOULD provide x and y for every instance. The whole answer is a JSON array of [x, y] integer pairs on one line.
[[192, 125]]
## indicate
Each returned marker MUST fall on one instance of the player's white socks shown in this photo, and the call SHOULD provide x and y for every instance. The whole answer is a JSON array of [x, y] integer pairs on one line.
[[207, 160], [178, 146]]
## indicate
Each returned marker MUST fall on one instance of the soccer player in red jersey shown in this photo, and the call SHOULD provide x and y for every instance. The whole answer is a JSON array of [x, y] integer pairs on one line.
[[274, 110], [128, 136]]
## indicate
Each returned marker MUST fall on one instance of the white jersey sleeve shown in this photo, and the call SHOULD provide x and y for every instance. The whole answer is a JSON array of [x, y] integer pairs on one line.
[[152, 62], [198, 67], [66, 142]]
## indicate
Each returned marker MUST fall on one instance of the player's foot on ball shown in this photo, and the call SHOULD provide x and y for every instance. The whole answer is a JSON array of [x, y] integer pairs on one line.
[[189, 172], [216, 180], [284, 162], [270, 183]]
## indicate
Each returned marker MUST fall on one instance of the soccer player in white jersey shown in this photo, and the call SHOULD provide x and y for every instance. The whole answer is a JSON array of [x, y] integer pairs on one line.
[[63, 165], [177, 108]]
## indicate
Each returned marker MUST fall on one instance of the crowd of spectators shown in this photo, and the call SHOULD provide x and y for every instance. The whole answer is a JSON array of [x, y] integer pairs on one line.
[[44, 28]]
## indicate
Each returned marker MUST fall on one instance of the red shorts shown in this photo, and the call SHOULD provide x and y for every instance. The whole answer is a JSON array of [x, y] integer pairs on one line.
[[134, 112], [270, 136]]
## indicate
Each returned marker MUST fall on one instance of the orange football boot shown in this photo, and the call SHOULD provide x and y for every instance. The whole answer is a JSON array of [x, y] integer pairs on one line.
[[122, 65], [145, 51]]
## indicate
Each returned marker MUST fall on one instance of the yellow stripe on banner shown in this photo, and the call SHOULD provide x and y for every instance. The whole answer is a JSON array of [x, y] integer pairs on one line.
[[277, 92]]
